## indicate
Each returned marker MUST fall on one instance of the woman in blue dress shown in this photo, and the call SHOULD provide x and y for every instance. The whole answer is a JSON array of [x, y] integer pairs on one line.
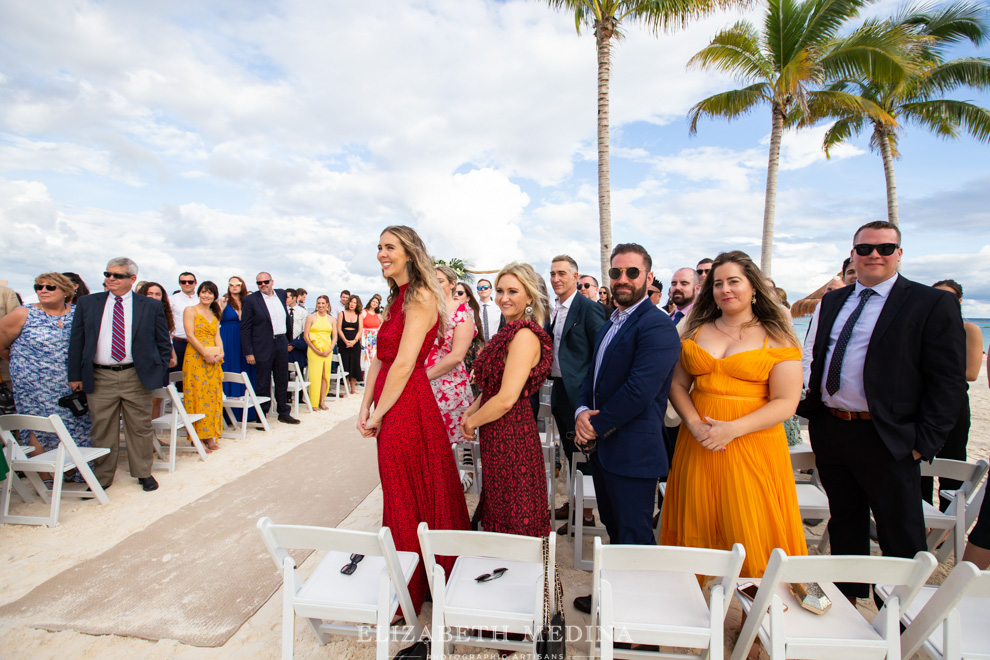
[[36, 338], [230, 333]]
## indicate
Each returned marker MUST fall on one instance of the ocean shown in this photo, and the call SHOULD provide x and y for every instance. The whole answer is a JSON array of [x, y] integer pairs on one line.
[[801, 328]]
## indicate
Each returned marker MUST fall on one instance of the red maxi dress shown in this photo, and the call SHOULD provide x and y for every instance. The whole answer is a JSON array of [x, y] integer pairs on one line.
[[415, 464], [514, 488]]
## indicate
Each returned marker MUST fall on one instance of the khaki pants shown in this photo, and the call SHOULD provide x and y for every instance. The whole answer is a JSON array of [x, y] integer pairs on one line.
[[116, 395]]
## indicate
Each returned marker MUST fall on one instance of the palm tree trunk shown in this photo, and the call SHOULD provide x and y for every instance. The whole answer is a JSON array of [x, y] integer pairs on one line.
[[770, 204], [888, 174], [604, 39]]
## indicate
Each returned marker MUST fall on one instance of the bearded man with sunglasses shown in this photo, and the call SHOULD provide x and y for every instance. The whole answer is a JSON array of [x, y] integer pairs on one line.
[[888, 375], [119, 351]]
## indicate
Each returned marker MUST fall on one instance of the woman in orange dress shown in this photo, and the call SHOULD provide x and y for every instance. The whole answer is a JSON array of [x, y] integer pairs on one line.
[[731, 479]]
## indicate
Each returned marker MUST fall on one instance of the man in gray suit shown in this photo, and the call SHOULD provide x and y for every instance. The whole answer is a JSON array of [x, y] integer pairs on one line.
[[119, 352]]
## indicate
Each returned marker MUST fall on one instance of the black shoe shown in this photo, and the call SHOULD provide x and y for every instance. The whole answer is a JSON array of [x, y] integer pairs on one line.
[[562, 512], [148, 484], [583, 604], [288, 419], [812, 522]]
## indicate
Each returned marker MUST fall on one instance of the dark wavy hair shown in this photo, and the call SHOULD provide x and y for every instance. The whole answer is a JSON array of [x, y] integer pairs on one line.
[[212, 288], [82, 289], [169, 319], [475, 307], [767, 311]]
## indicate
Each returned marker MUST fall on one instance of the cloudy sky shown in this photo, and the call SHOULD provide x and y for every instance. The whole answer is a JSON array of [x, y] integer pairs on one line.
[[231, 136]]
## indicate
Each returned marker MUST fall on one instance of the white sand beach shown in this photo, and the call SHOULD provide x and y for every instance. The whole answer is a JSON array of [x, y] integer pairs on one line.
[[31, 555]]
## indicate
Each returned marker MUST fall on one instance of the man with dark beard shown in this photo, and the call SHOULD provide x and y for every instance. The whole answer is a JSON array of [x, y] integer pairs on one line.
[[684, 286], [621, 407]]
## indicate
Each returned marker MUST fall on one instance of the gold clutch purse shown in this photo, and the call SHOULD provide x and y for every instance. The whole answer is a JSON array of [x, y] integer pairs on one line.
[[811, 597]]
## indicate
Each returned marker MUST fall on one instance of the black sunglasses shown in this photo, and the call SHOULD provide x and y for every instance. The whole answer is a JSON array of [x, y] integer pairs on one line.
[[586, 285], [632, 272], [187, 281], [46, 287], [116, 276], [351, 566], [262, 282], [883, 249], [483, 287], [494, 575]]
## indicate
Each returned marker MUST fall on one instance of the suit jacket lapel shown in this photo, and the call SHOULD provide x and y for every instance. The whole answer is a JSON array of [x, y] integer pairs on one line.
[[898, 294], [573, 316]]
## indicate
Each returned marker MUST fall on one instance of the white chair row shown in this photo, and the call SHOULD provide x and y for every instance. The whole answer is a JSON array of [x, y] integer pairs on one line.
[[57, 462]]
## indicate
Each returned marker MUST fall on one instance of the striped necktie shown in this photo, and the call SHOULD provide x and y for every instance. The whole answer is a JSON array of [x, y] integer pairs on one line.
[[118, 347]]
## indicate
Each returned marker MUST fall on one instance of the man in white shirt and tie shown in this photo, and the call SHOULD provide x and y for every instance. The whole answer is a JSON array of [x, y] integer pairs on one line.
[[186, 297], [490, 314]]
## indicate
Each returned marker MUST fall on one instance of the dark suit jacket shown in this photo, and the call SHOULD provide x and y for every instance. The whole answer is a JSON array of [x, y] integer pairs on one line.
[[915, 370], [257, 338], [631, 393], [151, 347], [577, 343]]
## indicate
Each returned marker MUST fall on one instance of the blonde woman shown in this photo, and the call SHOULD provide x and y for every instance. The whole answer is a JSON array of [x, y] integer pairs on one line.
[[415, 464], [320, 337], [510, 369]]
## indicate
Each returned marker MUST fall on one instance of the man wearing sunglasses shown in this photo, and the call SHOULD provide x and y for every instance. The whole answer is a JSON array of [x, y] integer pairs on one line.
[[621, 406], [491, 315], [119, 352], [888, 376], [264, 321], [185, 297], [588, 287]]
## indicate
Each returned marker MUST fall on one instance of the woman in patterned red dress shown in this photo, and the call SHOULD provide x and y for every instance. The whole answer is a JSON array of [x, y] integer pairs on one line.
[[510, 369], [417, 470]]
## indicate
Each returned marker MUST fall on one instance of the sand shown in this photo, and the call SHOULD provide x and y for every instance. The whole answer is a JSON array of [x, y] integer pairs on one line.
[[30, 555]]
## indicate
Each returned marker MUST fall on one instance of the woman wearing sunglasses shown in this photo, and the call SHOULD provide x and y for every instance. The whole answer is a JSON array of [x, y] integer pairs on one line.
[[35, 338], [464, 295], [605, 298], [738, 379]]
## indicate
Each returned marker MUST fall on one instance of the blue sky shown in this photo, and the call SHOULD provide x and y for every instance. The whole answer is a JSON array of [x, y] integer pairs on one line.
[[229, 137]]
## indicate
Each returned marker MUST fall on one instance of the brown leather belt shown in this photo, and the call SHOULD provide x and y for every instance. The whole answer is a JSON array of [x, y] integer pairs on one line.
[[848, 415]]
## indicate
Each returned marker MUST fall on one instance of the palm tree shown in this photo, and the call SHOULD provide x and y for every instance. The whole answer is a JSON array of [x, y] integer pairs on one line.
[[919, 98], [798, 48], [605, 18]]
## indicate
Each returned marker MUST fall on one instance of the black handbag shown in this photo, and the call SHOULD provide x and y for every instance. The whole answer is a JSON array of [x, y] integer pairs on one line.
[[7, 406], [551, 643], [76, 403], [418, 651]]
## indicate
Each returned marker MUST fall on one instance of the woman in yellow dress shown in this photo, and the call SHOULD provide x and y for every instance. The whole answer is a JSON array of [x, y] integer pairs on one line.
[[202, 373], [319, 336], [731, 479]]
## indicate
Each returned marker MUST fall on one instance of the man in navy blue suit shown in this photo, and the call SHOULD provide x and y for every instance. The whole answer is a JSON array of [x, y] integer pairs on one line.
[[622, 404], [264, 319]]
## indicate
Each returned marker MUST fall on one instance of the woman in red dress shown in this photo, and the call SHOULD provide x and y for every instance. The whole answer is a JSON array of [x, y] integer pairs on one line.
[[510, 369], [417, 470]]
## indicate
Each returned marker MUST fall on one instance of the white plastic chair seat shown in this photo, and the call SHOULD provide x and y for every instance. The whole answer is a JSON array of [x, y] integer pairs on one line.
[[812, 501], [48, 460], [351, 592], [806, 629], [507, 601], [654, 605]]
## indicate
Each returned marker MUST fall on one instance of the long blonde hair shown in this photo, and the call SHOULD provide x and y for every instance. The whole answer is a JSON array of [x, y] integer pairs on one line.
[[767, 311], [422, 275], [531, 284]]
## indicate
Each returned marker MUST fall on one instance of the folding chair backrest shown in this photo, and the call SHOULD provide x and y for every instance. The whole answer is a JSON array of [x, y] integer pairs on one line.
[[455, 543], [281, 538], [699, 561], [175, 377], [964, 580], [51, 424], [969, 473]]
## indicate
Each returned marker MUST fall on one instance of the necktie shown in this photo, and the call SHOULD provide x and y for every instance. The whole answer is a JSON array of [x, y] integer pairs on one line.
[[835, 366], [288, 332], [485, 322], [678, 315], [118, 346]]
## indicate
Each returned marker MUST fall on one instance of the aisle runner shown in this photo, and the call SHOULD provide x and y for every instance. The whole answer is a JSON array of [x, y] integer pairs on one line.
[[198, 574]]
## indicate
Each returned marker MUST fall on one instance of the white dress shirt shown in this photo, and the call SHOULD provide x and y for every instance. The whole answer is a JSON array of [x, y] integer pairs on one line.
[[490, 311], [104, 345], [179, 301], [809, 346], [298, 320], [559, 322], [851, 394], [276, 311]]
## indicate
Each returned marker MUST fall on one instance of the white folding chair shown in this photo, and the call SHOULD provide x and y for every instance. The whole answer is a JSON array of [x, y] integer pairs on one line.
[[962, 512], [649, 594], [174, 421], [949, 621], [548, 442], [787, 630], [335, 603], [462, 606], [461, 452], [245, 402], [57, 462], [297, 387], [339, 376], [812, 500]]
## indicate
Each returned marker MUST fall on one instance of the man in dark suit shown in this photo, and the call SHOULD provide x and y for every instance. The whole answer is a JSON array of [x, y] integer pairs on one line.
[[622, 403], [887, 378], [574, 325], [264, 319], [119, 352]]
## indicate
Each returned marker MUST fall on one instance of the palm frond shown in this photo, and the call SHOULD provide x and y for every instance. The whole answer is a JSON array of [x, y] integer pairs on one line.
[[964, 71], [874, 51], [827, 18], [661, 15], [735, 50], [945, 117], [729, 105], [842, 130]]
